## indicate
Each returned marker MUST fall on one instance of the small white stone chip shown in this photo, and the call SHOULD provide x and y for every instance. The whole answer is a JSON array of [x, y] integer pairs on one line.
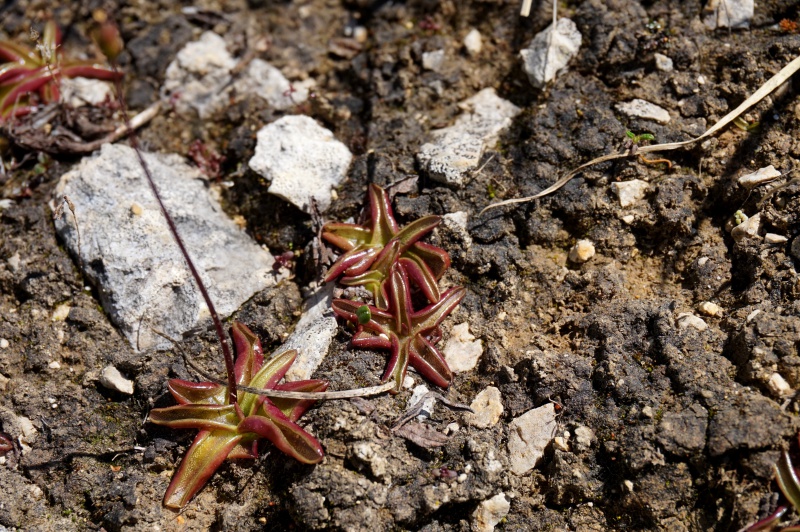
[[709, 309], [686, 320], [433, 60], [488, 407], [630, 192], [759, 177], [462, 350], [112, 379], [3, 343], [547, 57], [778, 385], [490, 512], [582, 251], [663, 63], [748, 228], [638, 108], [773, 238], [528, 436], [473, 43]]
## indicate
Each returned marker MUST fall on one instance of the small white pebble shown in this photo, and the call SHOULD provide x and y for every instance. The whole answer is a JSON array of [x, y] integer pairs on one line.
[[54, 365], [36, 491], [773, 238], [452, 428], [582, 251], [408, 382], [709, 309], [759, 177], [752, 315], [467, 468], [663, 63], [560, 444], [648, 412], [778, 385], [2, 460], [473, 42], [628, 485], [686, 320], [462, 478], [3, 343], [701, 80], [360, 34], [628, 219]]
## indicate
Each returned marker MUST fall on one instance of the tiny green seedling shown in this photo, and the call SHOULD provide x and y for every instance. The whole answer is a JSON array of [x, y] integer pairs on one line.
[[637, 139]]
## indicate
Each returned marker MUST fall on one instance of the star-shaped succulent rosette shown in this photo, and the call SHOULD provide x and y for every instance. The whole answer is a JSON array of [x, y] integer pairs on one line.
[[410, 335], [28, 76], [229, 431], [373, 249]]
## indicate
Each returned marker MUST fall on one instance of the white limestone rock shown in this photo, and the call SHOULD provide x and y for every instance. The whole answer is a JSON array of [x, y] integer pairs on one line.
[[759, 177], [457, 149], [200, 79], [301, 159], [775, 239], [747, 229], [78, 92], [638, 108], [490, 512], [488, 407], [778, 386], [473, 42], [582, 251], [528, 436], [663, 63], [543, 60], [128, 252], [433, 60], [735, 14], [630, 192], [312, 335], [709, 309], [462, 350], [112, 379], [427, 406], [686, 320]]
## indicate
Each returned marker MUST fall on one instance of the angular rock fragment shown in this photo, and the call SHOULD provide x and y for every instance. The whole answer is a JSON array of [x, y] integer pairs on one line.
[[490, 512], [638, 108], [302, 160], [630, 192], [458, 148], [128, 252], [759, 177], [462, 350], [488, 407], [735, 14], [528, 435], [544, 59]]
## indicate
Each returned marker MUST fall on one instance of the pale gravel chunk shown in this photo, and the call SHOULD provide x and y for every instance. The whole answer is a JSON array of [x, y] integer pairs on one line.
[[759, 177], [709, 309], [312, 335], [488, 407], [490, 512], [473, 42], [78, 92], [457, 149], [639, 108], [735, 14], [544, 59], [629, 192], [462, 350], [112, 379], [778, 385], [747, 229], [774, 238], [663, 63], [142, 278], [528, 435], [686, 320], [302, 160], [582, 251]]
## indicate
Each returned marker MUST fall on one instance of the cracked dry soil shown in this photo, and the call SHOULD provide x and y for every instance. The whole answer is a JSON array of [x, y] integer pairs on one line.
[[683, 424]]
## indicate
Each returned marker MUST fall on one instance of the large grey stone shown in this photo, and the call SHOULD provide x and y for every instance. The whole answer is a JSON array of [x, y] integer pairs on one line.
[[458, 148], [544, 58], [128, 252], [301, 159]]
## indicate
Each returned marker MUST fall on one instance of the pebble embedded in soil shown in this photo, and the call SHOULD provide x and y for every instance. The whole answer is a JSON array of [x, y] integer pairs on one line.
[[200, 78], [735, 14], [709, 309], [457, 149], [433, 60], [490, 512], [112, 379], [78, 92], [759, 177], [473, 42], [312, 335], [488, 407], [686, 320], [630, 192], [142, 277], [4, 343], [778, 385], [528, 435], [302, 160], [543, 60], [773, 238], [428, 405], [582, 251], [748, 228], [663, 63], [462, 351], [639, 108]]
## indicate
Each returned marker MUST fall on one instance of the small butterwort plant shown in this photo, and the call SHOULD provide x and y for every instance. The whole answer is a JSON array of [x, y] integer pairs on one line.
[[31, 76]]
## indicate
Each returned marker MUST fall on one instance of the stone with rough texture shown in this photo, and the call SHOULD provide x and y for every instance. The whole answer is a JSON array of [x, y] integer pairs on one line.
[[759, 177], [582, 251], [686, 320], [735, 14], [128, 252], [490, 512], [473, 42], [638, 108], [200, 79], [112, 379], [462, 350], [458, 148], [78, 92], [663, 63], [528, 435], [543, 60], [708, 308], [488, 407], [428, 404], [302, 160], [433, 60], [312, 335], [778, 385], [630, 192], [747, 229], [774, 238]]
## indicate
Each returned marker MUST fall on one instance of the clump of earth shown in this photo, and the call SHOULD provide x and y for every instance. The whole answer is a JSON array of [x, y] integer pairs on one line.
[[631, 357]]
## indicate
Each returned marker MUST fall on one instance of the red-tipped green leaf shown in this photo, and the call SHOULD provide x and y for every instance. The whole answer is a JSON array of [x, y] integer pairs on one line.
[[398, 364], [422, 277], [89, 70], [417, 229], [206, 454], [384, 225], [249, 355], [14, 53], [204, 417], [285, 434], [429, 362], [345, 236], [787, 479], [294, 408], [266, 379], [186, 392], [437, 259]]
